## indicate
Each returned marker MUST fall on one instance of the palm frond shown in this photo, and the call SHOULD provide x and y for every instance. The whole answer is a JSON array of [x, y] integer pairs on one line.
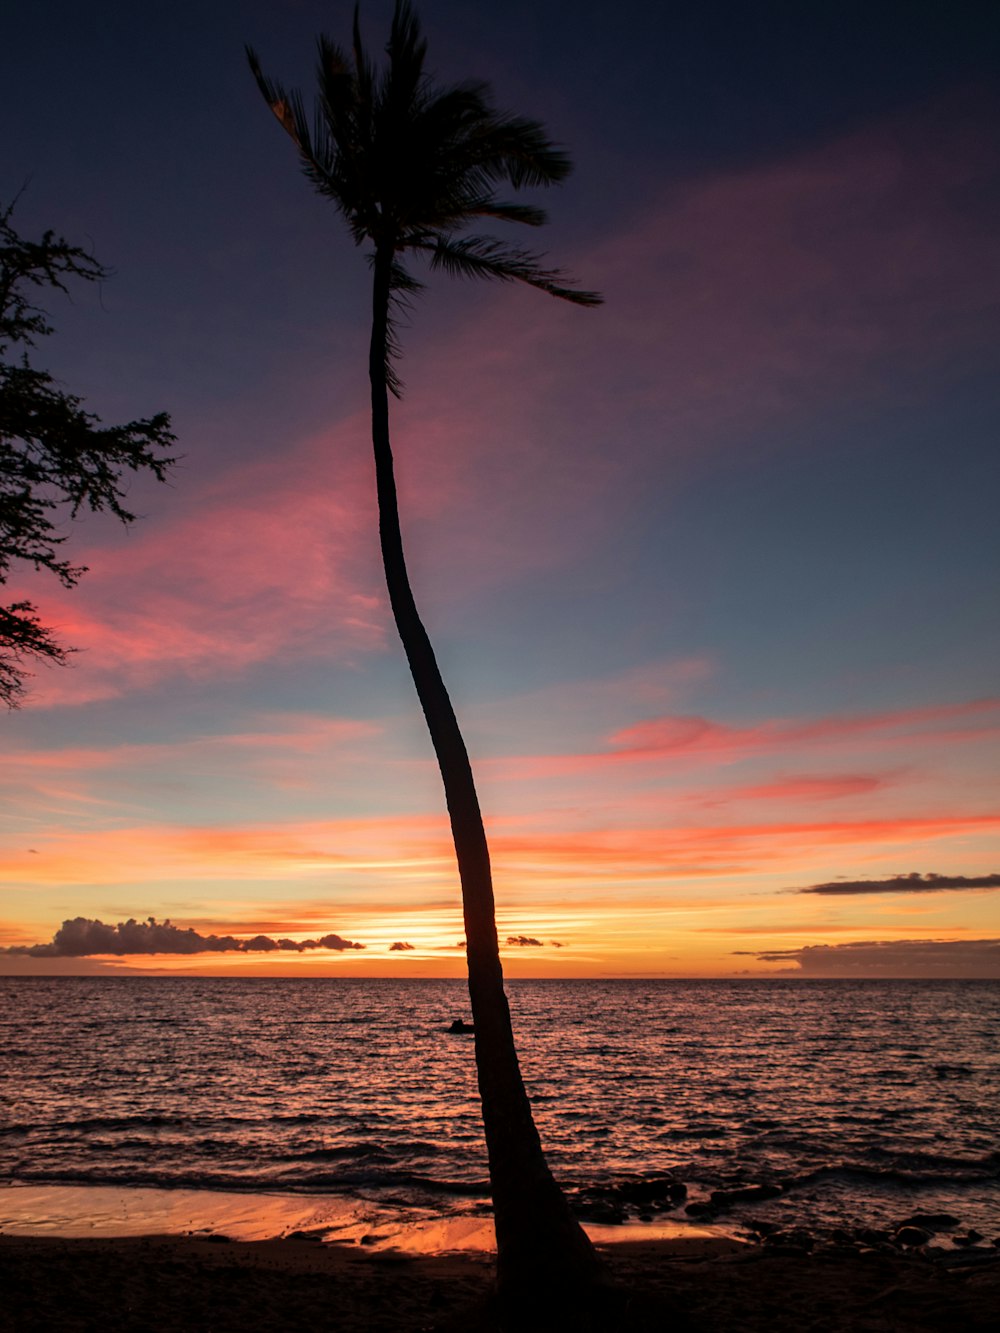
[[277, 99], [318, 161], [486, 257], [364, 72], [407, 51], [528, 214], [518, 150]]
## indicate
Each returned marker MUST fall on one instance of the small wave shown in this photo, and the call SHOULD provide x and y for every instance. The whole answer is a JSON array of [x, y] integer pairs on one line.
[[970, 1175], [349, 1180], [709, 1131], [361, 1148], [988, 1164], [465, 1188], [89, 1124], [131, 1176], [347, 1152]]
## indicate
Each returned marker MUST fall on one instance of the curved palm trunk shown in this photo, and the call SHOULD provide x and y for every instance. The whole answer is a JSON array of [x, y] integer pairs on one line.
[[542, 1252]]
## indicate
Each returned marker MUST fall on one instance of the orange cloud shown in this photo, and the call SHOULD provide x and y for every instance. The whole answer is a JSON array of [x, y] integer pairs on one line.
[[394, 852], [832, 788], [293, 733]]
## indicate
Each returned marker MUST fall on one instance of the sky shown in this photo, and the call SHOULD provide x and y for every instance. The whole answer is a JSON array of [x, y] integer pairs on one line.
[[711, 570]]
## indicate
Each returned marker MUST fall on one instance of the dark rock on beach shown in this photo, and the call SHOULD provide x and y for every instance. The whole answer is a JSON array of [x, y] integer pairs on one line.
[[970, 1238], [665, 1190], [912, 1236], [929, 1221], [791, 1242], [871, 1236], [614, 1204]]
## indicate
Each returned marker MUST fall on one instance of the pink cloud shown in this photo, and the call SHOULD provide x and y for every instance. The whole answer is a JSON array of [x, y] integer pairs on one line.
[[734, 300], [276, 559], [801, 788], [670, 735], [763, 289], [292, 733], [683, 739], [281, 750]]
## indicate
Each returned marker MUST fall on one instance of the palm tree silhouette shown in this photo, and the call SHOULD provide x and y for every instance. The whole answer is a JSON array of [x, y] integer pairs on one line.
[[410, 165]]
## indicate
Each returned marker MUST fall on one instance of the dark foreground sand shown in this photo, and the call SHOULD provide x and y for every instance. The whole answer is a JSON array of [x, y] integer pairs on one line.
[[155, 1284]]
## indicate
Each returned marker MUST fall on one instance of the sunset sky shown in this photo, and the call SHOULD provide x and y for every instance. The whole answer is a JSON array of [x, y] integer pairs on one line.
[[712, 570]]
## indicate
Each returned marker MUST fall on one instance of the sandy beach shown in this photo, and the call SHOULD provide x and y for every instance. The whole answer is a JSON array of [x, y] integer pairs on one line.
[[93, 1260], [177, 1283]]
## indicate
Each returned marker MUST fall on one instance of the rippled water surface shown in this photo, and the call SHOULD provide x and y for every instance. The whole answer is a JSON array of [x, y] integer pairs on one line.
[[860, 1100]]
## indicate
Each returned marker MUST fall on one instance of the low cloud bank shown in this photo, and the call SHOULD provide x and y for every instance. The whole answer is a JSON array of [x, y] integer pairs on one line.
[[912, 883], [529, 942], [513, 942], [81, 938], [977, 960], [400, 946]]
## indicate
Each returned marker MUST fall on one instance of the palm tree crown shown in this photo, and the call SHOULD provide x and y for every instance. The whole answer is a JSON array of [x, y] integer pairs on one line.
[[411, 165]]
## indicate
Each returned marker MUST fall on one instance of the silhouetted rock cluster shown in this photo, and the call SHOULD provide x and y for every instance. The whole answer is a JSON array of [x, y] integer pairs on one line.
[[937, 1237], [933, 1236], [634, 1200], [720, 1201]]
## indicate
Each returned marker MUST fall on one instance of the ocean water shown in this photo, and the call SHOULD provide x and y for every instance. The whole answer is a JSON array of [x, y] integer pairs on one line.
[[857, 1102]]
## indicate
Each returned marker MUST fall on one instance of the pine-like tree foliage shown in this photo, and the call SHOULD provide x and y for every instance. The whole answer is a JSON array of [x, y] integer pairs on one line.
[[55, 458]]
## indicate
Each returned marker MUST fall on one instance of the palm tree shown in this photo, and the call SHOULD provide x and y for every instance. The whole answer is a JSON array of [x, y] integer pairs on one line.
[[410, 165]]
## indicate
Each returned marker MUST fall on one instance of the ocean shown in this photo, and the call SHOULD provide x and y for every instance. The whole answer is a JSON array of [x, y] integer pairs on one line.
[[818, 1104]]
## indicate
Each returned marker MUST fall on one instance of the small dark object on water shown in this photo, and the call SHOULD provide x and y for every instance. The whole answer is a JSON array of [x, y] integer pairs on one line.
[[460, 1025]]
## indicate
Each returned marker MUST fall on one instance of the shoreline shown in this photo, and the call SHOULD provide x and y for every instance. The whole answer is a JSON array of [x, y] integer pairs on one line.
[[134, 1264], [113, 1212]]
